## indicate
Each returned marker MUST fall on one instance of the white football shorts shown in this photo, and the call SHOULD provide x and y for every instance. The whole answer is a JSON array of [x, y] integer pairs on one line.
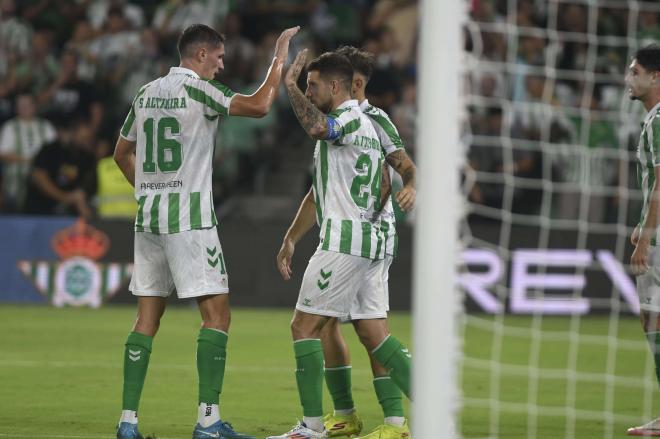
[[192, 261], [344, 286], [648, 284]]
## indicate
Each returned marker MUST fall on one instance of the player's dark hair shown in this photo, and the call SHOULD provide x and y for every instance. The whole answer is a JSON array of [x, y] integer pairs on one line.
[[649, 57], [333, 66], [363, 62], [197, 34]]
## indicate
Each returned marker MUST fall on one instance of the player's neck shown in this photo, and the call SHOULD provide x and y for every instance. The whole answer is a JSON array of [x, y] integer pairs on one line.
[[186, 64], [652, 100], [340, 99], [360, 96]]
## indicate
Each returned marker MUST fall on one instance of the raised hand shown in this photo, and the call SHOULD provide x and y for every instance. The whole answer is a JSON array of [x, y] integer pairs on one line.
[[282, 44], [295, 68]]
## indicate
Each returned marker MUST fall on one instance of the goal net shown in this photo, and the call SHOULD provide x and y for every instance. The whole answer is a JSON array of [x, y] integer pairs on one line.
[[552, 345]]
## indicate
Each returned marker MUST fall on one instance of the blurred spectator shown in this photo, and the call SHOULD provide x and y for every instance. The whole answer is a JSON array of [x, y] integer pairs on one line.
[[115, 197], [20, 140], [484, 11], [115, 45], [404, 115], [245, 142], [240, 54], [98, 11], [648, 28], [531, 53], [384, 83], [15, 34], [173, 16], [38, 69], [586, 161], [68, 97], [54, 15], [80, 43], [63, 174], [149, 63], [400, 17]]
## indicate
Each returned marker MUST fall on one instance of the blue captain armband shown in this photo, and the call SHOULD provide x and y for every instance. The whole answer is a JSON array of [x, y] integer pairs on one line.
[[334, 129]]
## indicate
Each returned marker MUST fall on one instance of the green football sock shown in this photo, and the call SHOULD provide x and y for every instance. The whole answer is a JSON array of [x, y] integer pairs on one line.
[[389, 396], [338, 380], [211, 359], [309, 376], [654, 343], [136, 362], [396, 359]]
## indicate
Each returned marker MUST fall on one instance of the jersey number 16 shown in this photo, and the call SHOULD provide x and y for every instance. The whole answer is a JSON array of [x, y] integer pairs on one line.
[[168, 150]]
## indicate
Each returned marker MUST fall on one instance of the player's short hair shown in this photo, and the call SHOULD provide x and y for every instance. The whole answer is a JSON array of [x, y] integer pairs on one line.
[[333, 66], [649, 57], [197, 34], [363, 62]]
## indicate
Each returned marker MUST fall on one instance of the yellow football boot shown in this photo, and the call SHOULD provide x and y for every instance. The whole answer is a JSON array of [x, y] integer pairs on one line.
[[343, 425], [390, 432]]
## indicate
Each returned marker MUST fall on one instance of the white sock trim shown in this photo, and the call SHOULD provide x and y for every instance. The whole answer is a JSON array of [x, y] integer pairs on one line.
[[381, 343], [218, 330], [382, 378], [395, 420], [339, 367], [305, 339]]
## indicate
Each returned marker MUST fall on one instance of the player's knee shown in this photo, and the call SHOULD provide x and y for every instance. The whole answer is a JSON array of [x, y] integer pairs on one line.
[[303, 328], [146, 326], [330, 330], [371, 336], [219, 320]]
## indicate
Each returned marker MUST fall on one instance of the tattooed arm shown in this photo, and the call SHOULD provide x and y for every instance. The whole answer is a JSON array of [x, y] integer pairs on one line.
[[405, 167], [313, 121]]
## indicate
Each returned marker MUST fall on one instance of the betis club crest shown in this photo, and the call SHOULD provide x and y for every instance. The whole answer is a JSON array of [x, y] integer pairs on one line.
[[77, 279]]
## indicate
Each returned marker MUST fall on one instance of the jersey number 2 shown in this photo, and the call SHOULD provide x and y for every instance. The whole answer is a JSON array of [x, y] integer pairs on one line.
[[166, 146], [364, 185]]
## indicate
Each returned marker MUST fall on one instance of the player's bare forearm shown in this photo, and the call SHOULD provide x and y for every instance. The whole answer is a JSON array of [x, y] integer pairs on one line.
[[127, 166], [401, 162], [311, 118], [405, 167], [124, 156], [304, 219], [385, 185]]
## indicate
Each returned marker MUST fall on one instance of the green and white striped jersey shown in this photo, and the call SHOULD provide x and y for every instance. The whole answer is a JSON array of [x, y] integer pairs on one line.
[[174, 120], [648, 155], [23, 138], [346, 185], [390, 141]]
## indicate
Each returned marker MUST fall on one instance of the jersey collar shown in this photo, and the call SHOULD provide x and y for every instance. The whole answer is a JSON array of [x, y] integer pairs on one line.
[[183, 71], [651, 114], [348, 103], [364, 104]]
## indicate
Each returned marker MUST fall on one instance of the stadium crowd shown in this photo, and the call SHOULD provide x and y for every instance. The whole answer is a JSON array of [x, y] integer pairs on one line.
[[70, 69], [548, 130], [551, 133]]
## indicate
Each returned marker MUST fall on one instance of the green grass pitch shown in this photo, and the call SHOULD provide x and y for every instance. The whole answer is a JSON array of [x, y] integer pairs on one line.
[[60, 374]]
